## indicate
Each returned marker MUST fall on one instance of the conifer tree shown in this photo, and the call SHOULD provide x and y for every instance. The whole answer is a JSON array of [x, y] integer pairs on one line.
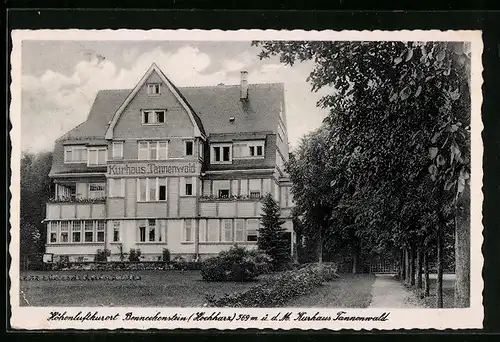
[[272, 239]]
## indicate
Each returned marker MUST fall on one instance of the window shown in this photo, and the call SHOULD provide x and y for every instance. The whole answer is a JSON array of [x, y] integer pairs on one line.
[[97, 156], [152, 150], [151, 185], [213, 230], [89, 231], [239, 230], [151, 189], [226, 153], [77, 231], [53, 232], [227, 230], [149, 231], [188, 185], [100, 231], [223, 193], [71, 231], [162, 189], [254, 187], [189, 148], [116, 187], [252, 229], [64, 231], [243, 187], [249, 149], [97, 190], [116, 231], [153, 117], [256, 149], [221, 154], [117, 149], [154, 88], [200, 150], [188, 230], [202, 231], [75, 154], [217, 153], [142, 231]]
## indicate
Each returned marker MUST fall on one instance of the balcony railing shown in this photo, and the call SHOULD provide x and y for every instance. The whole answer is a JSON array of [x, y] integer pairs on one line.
[[76, 200], [230, 198]]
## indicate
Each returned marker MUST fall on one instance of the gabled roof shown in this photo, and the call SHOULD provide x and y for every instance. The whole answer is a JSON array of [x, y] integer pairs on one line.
[[214, 105], [101, 112], [198, 127]]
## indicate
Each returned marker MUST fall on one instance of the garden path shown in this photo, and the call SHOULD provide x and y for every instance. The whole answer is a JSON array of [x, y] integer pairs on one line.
[[390, 293]]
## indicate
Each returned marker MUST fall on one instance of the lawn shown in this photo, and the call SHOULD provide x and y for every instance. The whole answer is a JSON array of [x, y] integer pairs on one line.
[[348, 291], [156, 288], [448, 293]]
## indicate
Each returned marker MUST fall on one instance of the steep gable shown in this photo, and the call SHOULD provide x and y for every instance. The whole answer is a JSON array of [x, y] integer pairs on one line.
[[154, 73]]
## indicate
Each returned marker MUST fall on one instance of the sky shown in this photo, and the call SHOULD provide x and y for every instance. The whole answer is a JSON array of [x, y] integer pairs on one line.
[[61, 78]]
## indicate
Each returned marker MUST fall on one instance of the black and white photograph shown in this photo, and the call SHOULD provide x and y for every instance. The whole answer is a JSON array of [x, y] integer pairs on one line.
[[283, 179]]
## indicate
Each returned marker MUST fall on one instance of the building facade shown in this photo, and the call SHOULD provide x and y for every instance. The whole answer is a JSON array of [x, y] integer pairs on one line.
[[159, 167]]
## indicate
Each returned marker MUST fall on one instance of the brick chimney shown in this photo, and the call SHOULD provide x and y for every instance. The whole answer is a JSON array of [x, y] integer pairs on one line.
[[244, 86]]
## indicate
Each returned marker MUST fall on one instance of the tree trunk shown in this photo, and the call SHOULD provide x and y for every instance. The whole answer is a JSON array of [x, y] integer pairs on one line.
[[412, 266], [403, 266], [320, 248], [418, 268], [427, 287], [407, 267], [355, 261], [295, 250], [462, 250], [439, 287]]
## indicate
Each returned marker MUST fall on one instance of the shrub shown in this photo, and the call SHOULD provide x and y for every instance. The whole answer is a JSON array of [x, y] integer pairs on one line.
[[235, 264], [102, 255], [134, 255], [166, 255], [277, 290]]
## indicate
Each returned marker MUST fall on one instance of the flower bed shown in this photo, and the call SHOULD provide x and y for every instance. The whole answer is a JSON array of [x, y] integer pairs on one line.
[[84, 277], [126, 266], [277, 290]]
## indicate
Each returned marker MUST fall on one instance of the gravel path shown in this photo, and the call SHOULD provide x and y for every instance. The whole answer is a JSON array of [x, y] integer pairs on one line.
[[390, 293]]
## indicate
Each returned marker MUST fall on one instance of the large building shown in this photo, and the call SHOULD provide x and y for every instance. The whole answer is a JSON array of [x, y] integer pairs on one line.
[[160, 167]]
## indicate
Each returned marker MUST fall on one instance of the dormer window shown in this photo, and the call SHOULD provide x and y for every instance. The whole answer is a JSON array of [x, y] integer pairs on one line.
[[154, 89], [153, 117], [221, 154]]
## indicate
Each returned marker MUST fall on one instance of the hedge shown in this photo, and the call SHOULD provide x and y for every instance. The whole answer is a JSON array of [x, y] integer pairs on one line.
[[277, 290]]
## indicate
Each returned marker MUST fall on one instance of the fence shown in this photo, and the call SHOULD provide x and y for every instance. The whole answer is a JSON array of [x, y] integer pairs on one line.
[[384, 266]]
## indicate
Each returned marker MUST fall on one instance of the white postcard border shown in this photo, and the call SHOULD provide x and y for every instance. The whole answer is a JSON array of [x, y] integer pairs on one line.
[[37, 317]]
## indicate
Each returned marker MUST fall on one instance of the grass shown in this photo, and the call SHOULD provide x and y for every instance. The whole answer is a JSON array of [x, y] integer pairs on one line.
[[156, 288], [348, 291], [448, 294]]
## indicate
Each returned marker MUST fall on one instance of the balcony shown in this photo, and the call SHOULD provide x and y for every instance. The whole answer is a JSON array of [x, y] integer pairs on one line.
[[211, 198], [76, 208], [75, 199]]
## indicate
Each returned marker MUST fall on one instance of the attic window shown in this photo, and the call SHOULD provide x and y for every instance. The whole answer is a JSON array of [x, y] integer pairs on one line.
[[231, 119], [153, 88]]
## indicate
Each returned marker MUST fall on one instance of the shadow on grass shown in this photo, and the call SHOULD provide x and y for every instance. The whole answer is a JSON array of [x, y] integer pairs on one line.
[[431, 300], [348, 291]]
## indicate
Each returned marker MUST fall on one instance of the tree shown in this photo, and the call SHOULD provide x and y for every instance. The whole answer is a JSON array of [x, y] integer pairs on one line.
[[401, 112], [35, 191], [271, 238]]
